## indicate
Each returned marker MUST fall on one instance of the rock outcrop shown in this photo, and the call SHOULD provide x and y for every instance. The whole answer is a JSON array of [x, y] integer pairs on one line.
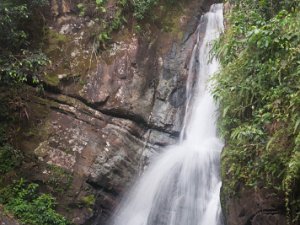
[[254, 207], [6, 219], [104, 114]]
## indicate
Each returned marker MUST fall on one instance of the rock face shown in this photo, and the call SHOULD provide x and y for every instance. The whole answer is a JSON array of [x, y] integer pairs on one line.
[[7, 219], [103, 115], [254, 207]]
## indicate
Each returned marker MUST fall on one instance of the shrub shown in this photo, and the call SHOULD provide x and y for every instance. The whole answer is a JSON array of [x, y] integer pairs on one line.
[[17, 63], [30, 207]]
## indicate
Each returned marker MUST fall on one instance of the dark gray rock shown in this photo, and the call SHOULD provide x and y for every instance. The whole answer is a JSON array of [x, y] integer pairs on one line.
[[178, 97], [254, 207], [6, 219]]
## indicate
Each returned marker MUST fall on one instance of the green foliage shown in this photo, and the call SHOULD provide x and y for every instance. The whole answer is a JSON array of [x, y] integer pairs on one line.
[[259, 92], [111, 18], [17, 64], [9, 158], [81, 8], [24, 202], [99, 2], [142, 7], [59, 179], [11, 19], [293, 174], [89, 200], [99, 5], [15, 17], [19, 68]]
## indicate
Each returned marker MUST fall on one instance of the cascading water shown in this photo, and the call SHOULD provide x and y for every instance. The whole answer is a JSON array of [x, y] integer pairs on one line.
[[182, 186]]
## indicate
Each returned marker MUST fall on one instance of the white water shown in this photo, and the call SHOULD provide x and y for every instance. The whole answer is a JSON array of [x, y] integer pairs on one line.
[[182, 186]]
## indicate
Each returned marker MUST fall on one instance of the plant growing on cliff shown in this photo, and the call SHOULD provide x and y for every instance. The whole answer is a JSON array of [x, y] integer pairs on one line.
[[111, 17], [24, 202], [9, 158], [17, 63], [259, 91]]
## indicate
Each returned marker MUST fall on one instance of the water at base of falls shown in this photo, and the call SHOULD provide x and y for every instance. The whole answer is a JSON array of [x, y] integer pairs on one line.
[[182, 186]]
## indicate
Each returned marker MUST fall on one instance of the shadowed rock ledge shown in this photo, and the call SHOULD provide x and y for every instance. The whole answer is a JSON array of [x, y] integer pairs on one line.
[[254, 207]]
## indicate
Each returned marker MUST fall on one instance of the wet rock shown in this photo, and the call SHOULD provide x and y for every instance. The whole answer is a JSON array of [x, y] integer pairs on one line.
[[178, 97], [105, 115], [254, 207], [6, 219]]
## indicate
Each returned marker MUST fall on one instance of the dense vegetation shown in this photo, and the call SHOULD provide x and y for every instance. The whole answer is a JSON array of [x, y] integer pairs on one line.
[[22, 199], [259, 91], [20, 61], [26, 204]]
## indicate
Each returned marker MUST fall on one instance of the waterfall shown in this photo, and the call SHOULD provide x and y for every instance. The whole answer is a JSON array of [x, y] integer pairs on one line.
[[182, 185]]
